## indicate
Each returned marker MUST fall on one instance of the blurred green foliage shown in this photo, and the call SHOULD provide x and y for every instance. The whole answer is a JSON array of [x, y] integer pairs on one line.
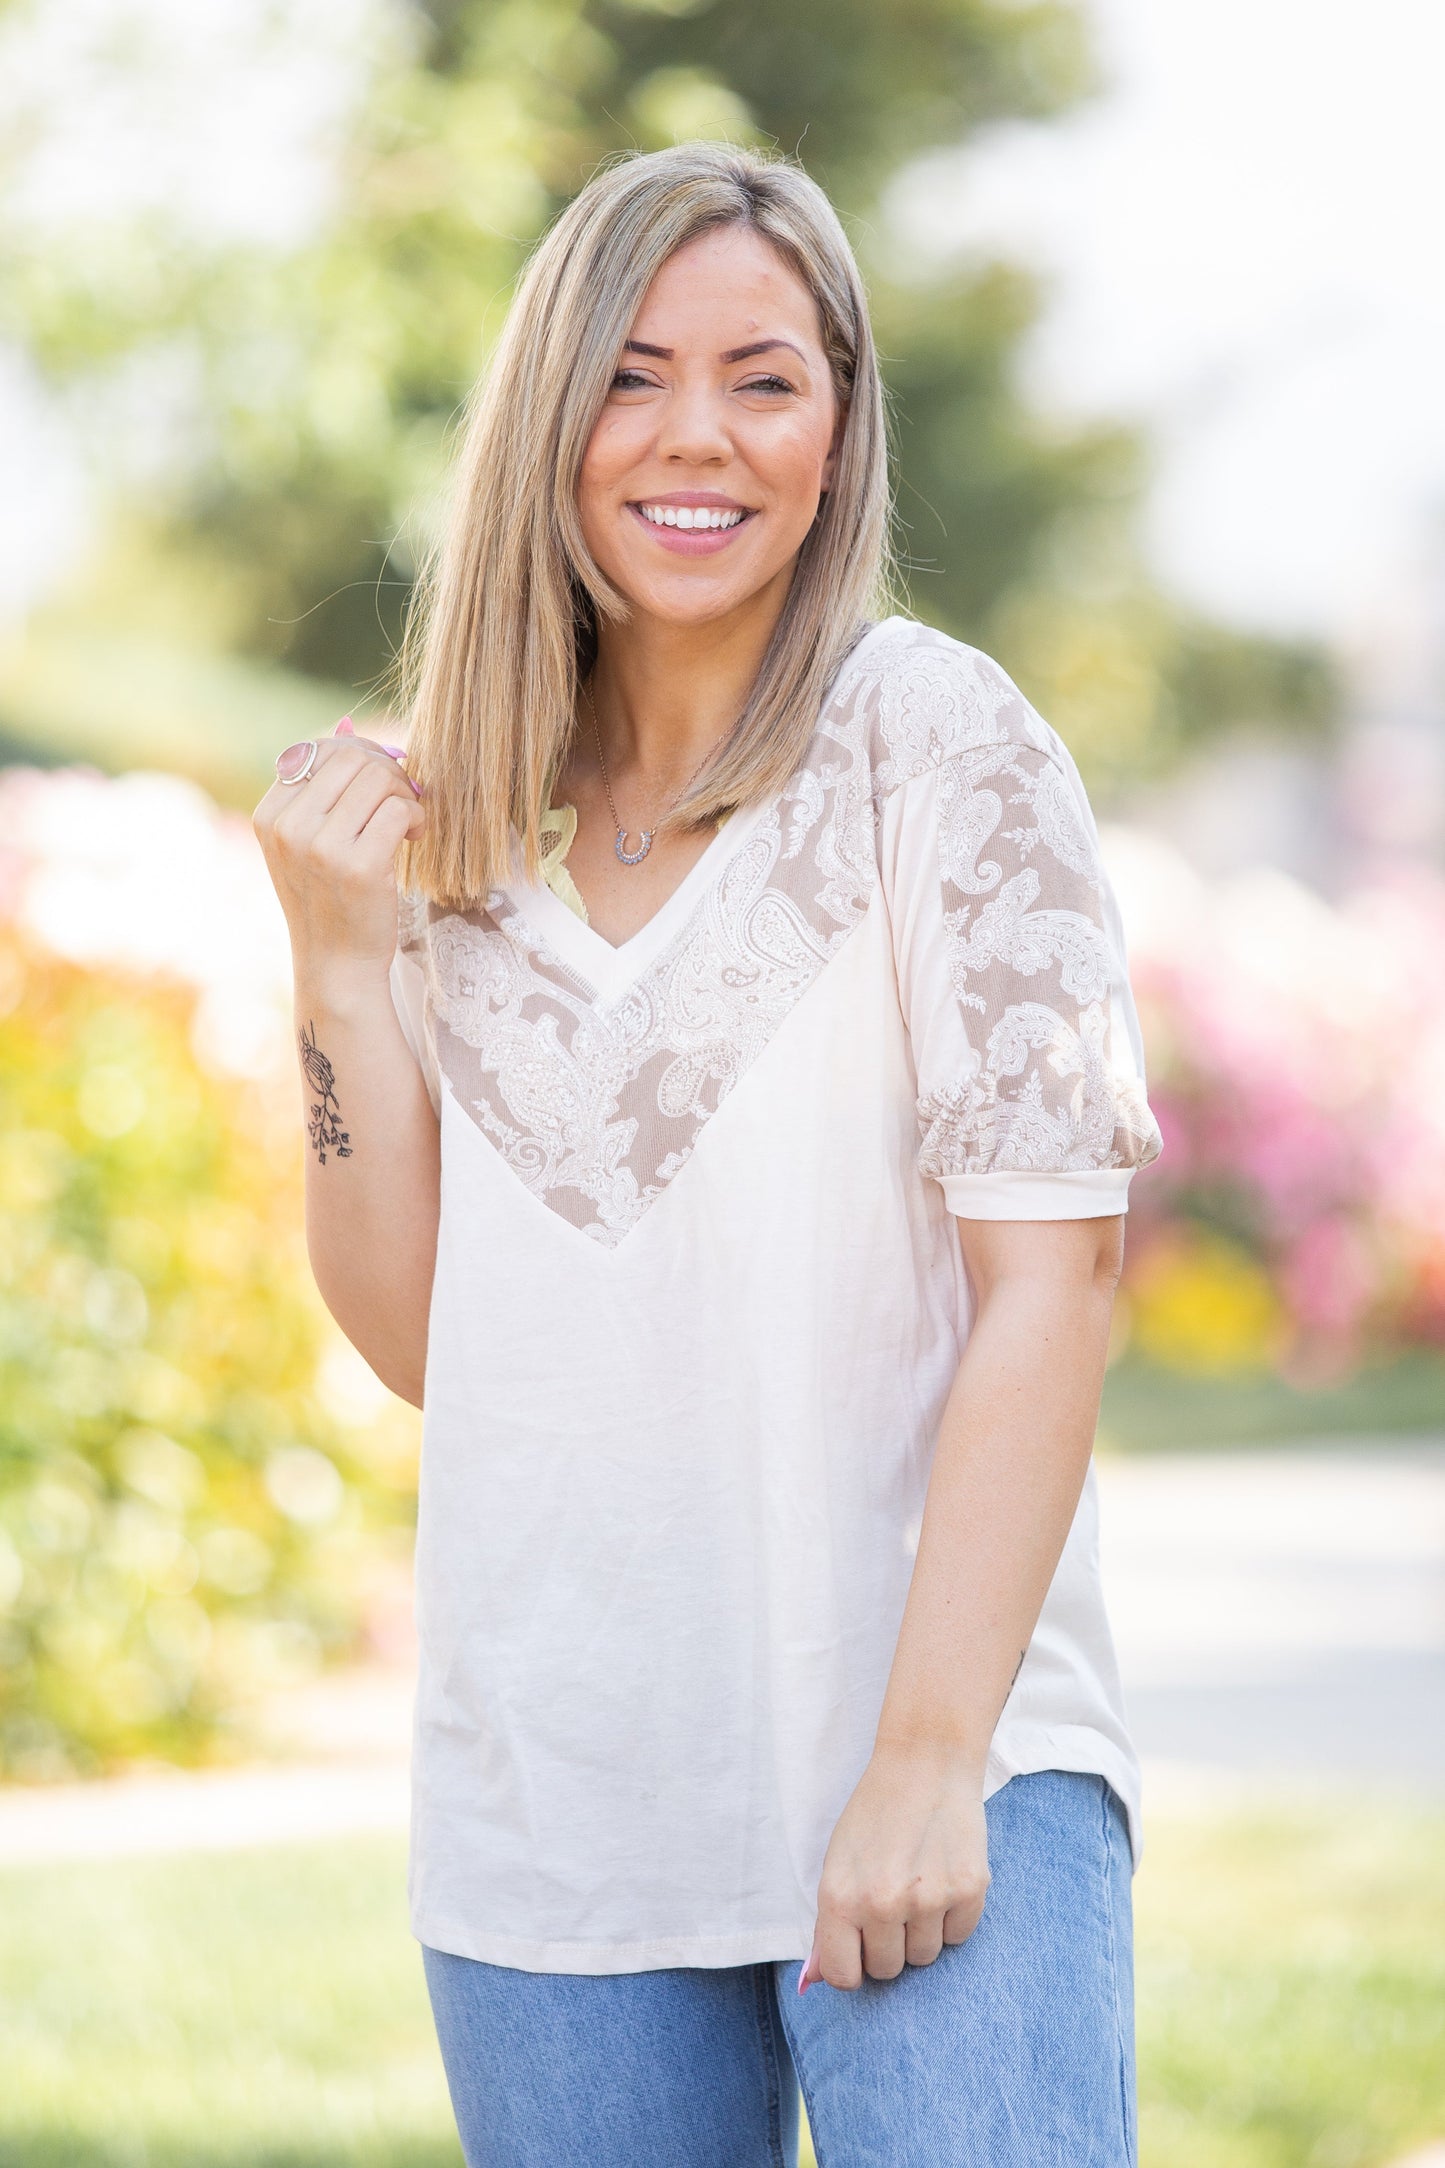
[[323, 383], [184, 1525]]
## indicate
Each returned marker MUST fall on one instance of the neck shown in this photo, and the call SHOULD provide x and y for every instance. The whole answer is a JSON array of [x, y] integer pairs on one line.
[[666, 693]]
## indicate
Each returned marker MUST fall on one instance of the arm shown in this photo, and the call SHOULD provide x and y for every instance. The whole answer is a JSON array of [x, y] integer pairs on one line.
[[907, 1867], [373, 1159], [371, 1215]]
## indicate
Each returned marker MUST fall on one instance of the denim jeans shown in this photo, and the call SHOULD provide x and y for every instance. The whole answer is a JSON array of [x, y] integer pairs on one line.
[[1014, 2049]]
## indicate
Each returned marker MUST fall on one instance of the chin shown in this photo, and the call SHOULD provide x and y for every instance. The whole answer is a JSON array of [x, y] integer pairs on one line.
[[695, 609], [688, 599]]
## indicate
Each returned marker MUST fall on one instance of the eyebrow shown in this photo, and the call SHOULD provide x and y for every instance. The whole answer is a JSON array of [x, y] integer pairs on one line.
[[736, 353]]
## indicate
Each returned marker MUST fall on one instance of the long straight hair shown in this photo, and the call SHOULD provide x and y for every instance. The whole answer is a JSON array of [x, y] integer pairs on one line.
[[508, 612]]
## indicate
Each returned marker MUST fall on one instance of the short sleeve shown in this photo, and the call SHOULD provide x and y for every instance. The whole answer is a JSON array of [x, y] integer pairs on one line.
[[408, 993], [1012, 978]]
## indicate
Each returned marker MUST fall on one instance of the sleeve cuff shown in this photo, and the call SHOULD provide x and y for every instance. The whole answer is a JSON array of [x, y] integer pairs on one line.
[[1091, 1193]]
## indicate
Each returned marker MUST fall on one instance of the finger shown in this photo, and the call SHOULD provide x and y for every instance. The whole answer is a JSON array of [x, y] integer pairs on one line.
[[396, 821], [414, 824], [394, 753], [840, 1952], [883, 1950], [300, 805], [286, 791], [346, 728], [376, 745], [923, 1939], [344, 741], [960, 1920], [367, 789], [338, 762], [347, 759]]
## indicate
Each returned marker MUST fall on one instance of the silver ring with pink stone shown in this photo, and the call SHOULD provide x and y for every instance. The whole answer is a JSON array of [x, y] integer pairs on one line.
[[297, 761]]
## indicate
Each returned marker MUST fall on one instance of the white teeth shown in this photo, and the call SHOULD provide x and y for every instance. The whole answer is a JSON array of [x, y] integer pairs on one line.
[[687, 515]]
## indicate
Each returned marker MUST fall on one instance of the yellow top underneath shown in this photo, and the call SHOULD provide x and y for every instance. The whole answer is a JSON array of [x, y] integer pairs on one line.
[[559, 826]]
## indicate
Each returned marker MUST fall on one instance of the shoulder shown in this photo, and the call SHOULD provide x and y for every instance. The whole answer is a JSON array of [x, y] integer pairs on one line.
[[930, 712], [921, 700]]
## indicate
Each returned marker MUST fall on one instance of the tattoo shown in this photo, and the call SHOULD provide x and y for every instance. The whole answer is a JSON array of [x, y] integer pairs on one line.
[[323, 1120], [1018, 1667]]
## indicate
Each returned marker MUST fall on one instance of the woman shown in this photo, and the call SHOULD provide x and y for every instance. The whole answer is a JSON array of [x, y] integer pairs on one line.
[[737, 1157]]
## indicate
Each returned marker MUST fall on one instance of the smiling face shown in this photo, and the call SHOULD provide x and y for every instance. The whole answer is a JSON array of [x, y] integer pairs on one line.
[[704, 468]]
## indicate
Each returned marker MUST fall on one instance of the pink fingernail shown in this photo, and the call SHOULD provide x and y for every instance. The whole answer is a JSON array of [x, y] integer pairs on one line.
[[397, 752], [803, 1981], [345, 728], [415, 786]]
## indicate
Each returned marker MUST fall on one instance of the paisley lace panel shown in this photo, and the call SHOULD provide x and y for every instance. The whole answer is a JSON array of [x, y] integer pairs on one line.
[[1030, 955], [596, 1108]]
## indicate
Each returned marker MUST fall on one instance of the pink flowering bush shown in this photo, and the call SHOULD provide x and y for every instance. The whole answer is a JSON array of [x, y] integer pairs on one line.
[[1297, 1052]]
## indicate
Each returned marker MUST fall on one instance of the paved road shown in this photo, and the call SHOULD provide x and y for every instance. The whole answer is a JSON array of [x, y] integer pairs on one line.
[[1280, 1618], [1280, 1615]]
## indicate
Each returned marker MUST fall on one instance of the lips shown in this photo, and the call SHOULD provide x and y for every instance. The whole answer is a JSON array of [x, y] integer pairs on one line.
[[698, 524]]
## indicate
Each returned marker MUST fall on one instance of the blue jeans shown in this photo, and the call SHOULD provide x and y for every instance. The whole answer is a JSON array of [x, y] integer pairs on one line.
[[1014, 2049]]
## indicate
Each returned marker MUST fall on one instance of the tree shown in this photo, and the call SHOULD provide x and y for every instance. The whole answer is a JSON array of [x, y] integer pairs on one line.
[[327, 381]]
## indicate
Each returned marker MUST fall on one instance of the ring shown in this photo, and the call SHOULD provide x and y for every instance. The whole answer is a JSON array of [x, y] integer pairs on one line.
[[306, 746]]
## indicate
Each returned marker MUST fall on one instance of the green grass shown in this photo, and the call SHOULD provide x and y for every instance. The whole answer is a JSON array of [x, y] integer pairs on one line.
[[1292, 1989], [266, 2010], [263, 2008], [1151, 1410]]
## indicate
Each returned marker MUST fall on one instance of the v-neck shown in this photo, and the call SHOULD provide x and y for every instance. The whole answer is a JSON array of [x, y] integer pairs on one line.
[[611, 968]]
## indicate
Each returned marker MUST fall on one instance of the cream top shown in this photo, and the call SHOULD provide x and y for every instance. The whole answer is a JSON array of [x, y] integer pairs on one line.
[[699, 1301]]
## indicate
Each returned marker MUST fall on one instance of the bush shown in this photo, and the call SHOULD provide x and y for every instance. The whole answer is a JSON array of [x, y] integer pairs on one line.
[[1296, 1220], [190, 1509]]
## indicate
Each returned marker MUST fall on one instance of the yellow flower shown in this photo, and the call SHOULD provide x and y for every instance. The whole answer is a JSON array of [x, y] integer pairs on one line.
[[1202, 1305]]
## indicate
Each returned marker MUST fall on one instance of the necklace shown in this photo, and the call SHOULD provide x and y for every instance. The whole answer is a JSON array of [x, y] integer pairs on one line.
[[635, 858]]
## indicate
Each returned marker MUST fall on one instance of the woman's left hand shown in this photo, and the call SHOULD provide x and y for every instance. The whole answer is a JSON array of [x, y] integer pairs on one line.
[[906, 1870]]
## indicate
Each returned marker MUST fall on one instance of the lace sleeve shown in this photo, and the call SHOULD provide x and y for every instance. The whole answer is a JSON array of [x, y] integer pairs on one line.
[[1011, 970]]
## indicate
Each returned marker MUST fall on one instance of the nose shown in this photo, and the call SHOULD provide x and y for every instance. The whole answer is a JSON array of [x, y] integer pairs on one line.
[[693, 428]]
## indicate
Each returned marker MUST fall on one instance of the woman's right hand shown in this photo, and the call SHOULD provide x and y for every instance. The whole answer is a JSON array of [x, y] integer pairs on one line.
[[330, 845]]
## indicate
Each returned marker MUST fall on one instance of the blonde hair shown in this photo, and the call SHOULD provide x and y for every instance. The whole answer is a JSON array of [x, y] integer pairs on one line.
[[508, 613]]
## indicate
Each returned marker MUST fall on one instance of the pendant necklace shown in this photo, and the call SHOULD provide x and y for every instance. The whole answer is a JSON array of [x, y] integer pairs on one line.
[[635, 858]]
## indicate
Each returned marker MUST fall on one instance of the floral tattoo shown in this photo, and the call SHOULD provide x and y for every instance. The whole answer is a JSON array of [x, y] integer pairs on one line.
[[323, 1120]]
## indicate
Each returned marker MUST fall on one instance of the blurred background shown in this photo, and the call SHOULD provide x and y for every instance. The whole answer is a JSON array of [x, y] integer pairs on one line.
[[1162, 306]]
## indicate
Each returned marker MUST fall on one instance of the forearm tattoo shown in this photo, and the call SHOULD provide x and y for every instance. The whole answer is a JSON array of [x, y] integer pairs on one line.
[[323, 1117]]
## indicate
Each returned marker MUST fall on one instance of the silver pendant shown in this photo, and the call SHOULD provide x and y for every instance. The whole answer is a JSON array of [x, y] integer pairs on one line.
[[633, 858]]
